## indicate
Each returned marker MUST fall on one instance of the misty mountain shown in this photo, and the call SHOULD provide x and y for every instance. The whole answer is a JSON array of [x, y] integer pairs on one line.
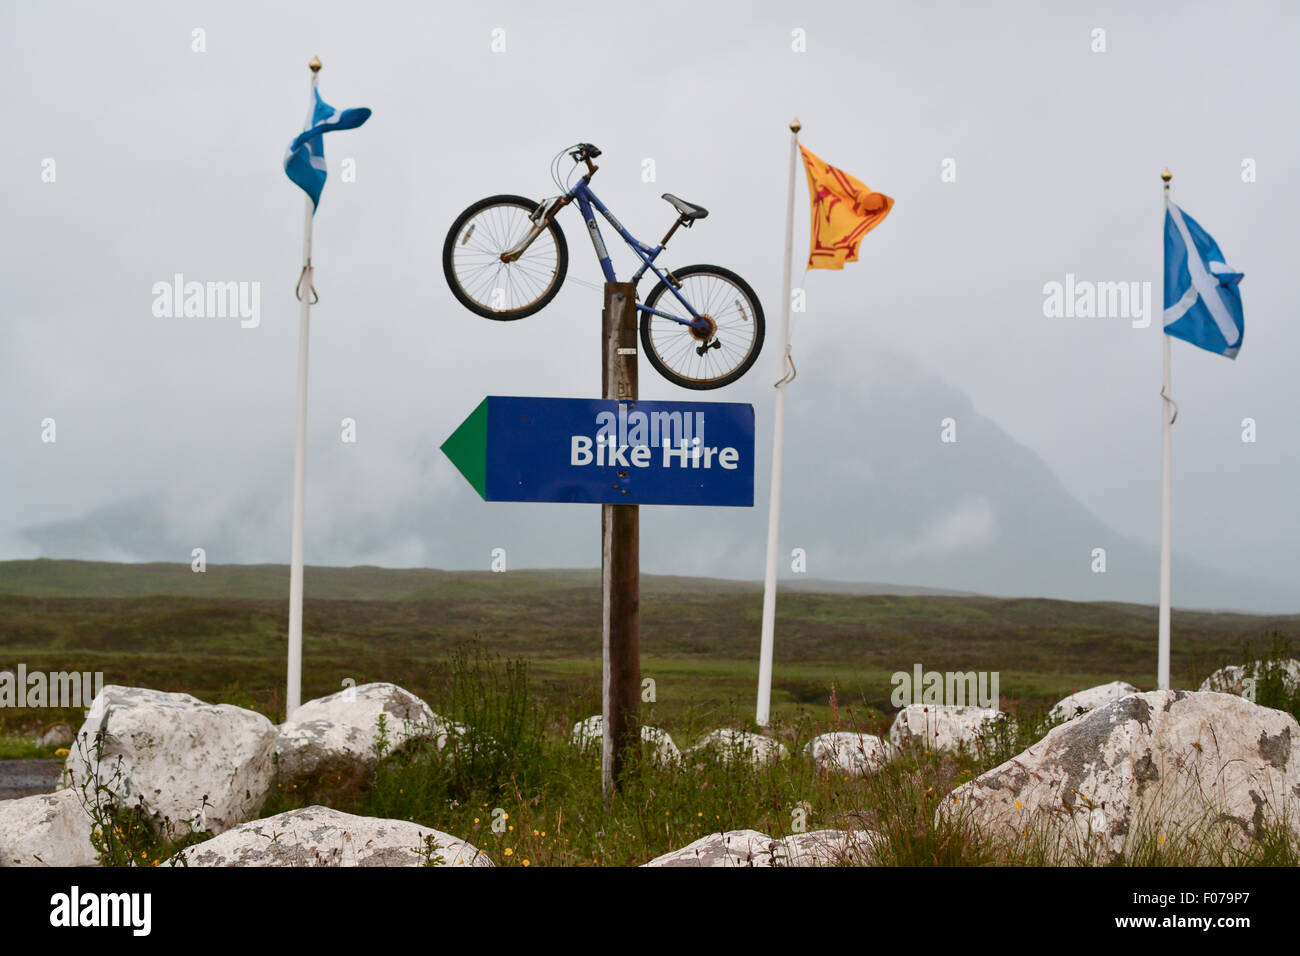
[[872, 494]]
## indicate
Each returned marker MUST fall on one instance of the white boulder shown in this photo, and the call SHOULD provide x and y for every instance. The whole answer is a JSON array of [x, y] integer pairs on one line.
[[752, 848], [52, 829], [1083, 701], [827, 848], [1232, 680], [740, 746], [343, 729], [590, 733], [942, 726], [849, 753], [319, 836], [201, 766], [1141, 771], [56, 735], [733, 848]]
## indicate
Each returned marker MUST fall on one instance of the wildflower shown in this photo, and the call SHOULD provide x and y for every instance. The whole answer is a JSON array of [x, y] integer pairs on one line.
[[509, 852], [1019, 805], [476, 819], [535, 833], [524, 862]]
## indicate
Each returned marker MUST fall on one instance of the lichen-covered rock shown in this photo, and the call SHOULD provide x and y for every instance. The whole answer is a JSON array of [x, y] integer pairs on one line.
[[201, 766], [1144, 770], [52, 829], [752, 848], [849, 753], [319, 836], [827, 848], [589, 733], [942, 726], [55, 735], [1083, 701], [733, 848], [740, 746], [1233, 680], [342, 730]]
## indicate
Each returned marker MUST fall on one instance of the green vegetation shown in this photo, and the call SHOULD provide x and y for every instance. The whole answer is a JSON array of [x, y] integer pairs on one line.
[[516, 767], [221, 636], [516, 658]]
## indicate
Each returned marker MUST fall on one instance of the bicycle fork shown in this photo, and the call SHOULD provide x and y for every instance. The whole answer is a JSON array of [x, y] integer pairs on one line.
[[541, 218]]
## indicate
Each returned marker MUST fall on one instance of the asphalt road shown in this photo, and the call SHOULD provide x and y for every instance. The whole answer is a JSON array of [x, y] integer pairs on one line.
[[23, 778]]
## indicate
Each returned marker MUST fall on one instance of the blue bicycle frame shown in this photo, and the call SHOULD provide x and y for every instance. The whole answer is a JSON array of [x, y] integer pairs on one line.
[[587, 203]]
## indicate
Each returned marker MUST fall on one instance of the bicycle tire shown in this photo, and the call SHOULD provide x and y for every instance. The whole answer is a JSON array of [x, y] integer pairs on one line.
[[466, 298], [647, 336]]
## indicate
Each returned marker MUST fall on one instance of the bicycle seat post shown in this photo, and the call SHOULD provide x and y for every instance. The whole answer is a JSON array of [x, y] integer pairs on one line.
[[681, 221]]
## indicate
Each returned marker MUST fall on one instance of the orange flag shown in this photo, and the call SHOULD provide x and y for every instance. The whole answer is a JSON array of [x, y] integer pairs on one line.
[[843, 211]]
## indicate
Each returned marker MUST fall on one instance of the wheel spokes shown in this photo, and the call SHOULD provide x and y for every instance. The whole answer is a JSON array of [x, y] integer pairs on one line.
[[492, 283], [732, 340]]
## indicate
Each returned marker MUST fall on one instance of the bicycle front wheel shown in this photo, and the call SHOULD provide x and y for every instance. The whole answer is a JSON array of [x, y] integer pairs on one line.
[[482, 280], [710, 357]]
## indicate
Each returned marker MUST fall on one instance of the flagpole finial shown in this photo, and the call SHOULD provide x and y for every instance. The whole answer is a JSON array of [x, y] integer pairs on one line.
[[1166, 176], [795, 125], [315, 64]]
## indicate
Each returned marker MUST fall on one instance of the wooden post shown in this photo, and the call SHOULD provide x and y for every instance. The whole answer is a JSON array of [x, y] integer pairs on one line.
[[620, 533]]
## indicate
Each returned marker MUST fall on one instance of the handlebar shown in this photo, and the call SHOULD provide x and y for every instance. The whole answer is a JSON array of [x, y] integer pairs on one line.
[[585, 153]]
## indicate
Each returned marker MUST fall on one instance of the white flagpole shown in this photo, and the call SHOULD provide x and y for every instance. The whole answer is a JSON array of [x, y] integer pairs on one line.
[[293, 693], [1166, 420], [764, 710]]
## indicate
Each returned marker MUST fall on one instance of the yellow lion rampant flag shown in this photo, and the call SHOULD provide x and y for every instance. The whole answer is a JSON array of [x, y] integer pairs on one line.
[[843, 211]]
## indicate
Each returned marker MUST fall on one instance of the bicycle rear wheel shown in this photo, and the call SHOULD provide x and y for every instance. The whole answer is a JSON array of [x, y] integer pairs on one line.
[[705, 358], [476, 273]]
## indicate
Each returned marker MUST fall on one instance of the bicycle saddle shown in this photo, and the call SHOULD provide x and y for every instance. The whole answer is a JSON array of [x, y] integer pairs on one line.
[[689, 211]]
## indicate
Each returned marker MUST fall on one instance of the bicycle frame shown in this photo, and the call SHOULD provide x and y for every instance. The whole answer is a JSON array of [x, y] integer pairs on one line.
[[589, 201]]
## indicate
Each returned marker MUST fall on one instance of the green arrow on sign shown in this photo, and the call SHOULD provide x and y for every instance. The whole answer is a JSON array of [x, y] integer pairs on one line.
[[467, 448]]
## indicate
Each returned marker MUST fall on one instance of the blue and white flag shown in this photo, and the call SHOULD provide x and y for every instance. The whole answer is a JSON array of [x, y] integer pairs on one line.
[[304, 161], [1202, 302]]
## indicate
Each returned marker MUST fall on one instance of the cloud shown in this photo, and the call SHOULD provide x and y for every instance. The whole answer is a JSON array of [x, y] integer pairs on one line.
[[972, 525]]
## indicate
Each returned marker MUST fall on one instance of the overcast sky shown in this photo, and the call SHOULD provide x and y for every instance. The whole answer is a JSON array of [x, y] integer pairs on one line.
[[167, 160]]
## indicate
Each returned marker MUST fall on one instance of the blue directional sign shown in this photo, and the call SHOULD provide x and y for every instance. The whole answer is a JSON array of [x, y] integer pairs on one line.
[[607, 452]]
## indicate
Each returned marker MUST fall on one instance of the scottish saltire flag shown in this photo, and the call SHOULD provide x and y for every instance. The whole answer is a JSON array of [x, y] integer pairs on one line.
[[304, 160], [1202, 303]]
